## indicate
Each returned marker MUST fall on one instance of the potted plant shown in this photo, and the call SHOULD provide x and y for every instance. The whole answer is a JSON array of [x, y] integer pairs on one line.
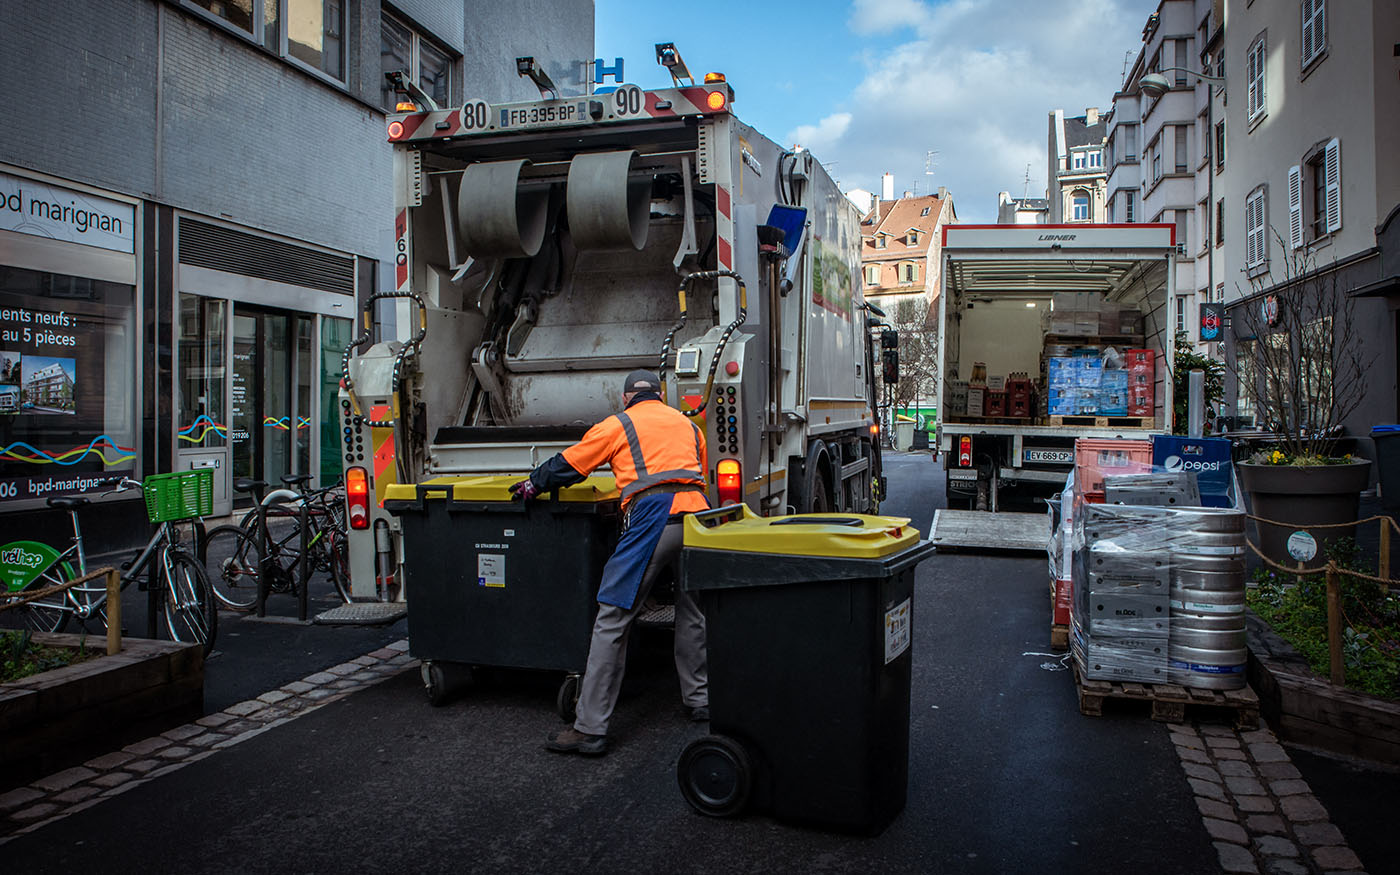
[[1298, 357]]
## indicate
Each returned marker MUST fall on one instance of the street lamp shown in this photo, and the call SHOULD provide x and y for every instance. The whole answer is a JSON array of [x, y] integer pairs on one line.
[[1154, 85]]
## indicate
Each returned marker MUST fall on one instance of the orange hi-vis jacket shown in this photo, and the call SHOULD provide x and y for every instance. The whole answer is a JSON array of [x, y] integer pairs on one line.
[[646, 445]]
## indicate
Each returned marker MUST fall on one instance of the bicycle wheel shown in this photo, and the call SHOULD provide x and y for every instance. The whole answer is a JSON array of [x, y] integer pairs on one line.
[[338, 546], [190, 614], [231, 560], [49, 614]]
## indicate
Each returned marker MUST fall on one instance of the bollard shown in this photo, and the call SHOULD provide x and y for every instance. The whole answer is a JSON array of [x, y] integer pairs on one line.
[[114, 612], [1334, 627]]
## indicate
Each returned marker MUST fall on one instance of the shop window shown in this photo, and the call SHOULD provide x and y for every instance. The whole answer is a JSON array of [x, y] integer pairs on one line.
[[336, 334], [67, 383], [199, 401]]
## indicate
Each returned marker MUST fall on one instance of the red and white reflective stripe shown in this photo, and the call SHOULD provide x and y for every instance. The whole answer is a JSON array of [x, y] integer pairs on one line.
[[724, 248], [683, 101], [401, 251]]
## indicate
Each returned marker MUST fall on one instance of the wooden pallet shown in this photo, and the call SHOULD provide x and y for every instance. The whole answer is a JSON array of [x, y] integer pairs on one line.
[[1171, 703], [987, 420], [1103, 421], [1059, 636]]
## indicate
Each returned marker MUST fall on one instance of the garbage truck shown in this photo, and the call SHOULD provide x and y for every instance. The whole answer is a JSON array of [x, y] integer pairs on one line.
[[544, 249]]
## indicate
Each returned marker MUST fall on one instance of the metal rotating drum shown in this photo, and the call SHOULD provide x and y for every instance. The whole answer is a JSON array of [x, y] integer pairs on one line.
[[1209, 519], [1198, 637], [1206, 602]]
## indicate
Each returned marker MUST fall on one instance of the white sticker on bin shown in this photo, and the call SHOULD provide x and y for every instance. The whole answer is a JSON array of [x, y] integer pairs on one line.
[[491, 569], [897, 629]]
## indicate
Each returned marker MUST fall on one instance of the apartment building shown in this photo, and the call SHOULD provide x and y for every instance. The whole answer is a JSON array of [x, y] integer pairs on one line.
[[901, 246], [1077, 178], [1021, 210], [1308, 176], [193, 202], [1158, 148]]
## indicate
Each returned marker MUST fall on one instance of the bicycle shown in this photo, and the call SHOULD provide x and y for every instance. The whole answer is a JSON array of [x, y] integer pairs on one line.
[[267, 544], [185, 595]]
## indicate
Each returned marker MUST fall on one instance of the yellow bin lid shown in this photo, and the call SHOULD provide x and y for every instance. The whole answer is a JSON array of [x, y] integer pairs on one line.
[[851, 536], [496, 487]]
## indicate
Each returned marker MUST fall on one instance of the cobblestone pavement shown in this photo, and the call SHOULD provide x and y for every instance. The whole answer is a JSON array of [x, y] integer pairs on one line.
[[1259, 811], [26, 809]]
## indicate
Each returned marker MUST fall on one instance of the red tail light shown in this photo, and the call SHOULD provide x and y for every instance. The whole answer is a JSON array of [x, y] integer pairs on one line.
[[357, 497], [729, 480], [964, 452]]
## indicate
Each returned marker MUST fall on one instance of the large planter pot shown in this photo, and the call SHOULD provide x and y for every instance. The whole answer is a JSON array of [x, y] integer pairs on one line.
[[1305, 498]]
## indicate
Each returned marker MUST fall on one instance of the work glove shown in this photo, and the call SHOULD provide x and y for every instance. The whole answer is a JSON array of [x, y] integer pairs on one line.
[[524, 490]]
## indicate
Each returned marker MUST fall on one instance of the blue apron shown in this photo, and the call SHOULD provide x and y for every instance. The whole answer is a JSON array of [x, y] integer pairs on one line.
[[622, 576]]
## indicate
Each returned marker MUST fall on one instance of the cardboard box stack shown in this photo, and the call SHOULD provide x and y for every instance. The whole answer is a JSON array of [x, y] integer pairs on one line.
[[1087, 314]]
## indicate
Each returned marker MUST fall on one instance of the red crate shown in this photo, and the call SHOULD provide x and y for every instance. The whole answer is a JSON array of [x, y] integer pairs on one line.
[[996, 404], [1019, 405], [1096, 457], [1064, 596], [1141, 358]]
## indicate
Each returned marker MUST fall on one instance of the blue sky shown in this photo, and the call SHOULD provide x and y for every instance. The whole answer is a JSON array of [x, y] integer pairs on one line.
[[872, 85]]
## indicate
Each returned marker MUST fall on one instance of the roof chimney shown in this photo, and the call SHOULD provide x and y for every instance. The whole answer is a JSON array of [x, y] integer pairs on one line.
[[1091, 116], [887, 187]]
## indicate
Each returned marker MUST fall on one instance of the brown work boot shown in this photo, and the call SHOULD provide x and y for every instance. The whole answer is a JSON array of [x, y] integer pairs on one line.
[[572, 741]]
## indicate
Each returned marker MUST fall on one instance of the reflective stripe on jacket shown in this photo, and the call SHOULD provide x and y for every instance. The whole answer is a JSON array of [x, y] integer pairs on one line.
[[648, 444]]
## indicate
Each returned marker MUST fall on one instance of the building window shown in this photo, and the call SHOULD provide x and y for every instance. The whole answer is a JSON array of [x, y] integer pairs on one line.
[[1315, 195], [880, 241], [923, 212], [1246, 374], [1129, 142], [1096, 158], [1314, 30], [1220, 145], [1155, 160], [1180, 64], [1180, 148], [872, 275], [1181, 311], [1077, 160], [907, 272], [912, 238], [1220, 222], [310, 33], [1080, 202], [1182, 227], [1256, 244], [1255, 62], [1130, 206], [403, 49]]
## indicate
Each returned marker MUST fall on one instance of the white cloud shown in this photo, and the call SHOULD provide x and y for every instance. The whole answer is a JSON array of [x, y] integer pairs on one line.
[[882, 16], [824, 134], [975, 82]]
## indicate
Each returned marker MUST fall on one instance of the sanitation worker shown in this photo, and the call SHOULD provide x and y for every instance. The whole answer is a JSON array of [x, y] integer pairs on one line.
[[658, 458]]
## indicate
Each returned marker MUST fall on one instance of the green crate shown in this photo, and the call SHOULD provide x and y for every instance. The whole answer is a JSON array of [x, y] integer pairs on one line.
[[179, 496]]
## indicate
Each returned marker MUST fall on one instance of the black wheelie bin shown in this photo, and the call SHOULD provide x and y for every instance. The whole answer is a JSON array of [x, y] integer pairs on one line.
[[810, 631], [502, 583]]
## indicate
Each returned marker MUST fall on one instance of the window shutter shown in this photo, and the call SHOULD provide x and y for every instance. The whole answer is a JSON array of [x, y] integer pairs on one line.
[[1333, 163], [1307, 31], [1249, 231], [1295, 206]]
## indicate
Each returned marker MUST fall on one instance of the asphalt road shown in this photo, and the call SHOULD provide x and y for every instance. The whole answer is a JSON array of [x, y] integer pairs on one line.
[[1004, 774]]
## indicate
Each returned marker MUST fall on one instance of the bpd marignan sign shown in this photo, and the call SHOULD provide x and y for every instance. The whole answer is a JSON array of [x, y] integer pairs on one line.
[[41, 210]]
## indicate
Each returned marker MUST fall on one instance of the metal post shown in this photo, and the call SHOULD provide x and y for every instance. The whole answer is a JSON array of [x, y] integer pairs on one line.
[[305, 565], [1334, 627], [1196, 404], [263, 536], [114, 612], [153, 594]]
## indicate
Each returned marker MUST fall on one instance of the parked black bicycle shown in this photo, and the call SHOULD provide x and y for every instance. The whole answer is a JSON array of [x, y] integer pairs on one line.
[[269, 545]]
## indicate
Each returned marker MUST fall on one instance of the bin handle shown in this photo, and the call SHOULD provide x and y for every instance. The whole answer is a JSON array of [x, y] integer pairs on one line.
[[854, 522], [711, 518]]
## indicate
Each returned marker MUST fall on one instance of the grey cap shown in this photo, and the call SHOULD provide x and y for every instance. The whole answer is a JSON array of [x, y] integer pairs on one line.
[[642, 381]]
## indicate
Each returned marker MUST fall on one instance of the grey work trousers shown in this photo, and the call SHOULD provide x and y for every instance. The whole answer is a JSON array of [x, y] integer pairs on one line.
[[607, 653]]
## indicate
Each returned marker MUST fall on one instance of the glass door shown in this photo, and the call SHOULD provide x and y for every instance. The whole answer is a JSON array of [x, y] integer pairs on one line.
[[270, 394]]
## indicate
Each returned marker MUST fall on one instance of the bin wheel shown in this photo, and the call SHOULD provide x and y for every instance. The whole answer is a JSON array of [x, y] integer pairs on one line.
[[716, 776], [441, 680], [567, 701]]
